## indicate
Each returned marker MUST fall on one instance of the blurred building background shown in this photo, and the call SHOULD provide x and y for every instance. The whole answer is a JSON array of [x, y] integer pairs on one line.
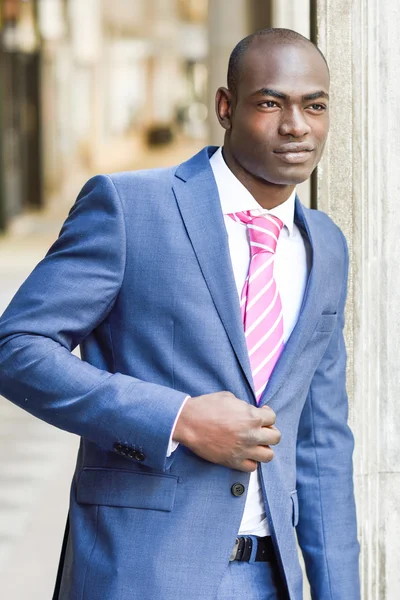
[[90, 86]]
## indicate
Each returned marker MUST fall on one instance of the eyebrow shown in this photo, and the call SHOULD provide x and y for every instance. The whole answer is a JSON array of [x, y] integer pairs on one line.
[[282, 96]]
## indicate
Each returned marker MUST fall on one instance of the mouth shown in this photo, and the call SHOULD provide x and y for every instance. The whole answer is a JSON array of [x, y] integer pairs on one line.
[[295, 153]]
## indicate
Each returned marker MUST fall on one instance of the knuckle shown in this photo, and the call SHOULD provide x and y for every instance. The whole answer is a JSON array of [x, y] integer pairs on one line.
[[255, 416], [252, 437], [231, 463], [269, 415]]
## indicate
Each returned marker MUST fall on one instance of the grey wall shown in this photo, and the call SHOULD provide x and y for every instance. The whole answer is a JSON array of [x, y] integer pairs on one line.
[[358, 185]]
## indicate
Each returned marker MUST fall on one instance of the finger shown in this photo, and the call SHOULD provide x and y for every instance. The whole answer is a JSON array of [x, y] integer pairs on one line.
[[247, 466], [268, 436], [273, 434], [268, 416], [262, 454]]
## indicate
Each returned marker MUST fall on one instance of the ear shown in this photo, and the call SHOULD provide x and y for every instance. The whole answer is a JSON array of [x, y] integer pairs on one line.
[[223, 107]]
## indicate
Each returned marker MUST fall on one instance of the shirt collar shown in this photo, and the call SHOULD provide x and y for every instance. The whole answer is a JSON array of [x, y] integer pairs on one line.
[[235, 197]]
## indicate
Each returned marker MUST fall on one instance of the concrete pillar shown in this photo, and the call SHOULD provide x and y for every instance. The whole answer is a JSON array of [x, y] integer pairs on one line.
[[294, 14], [358, 185], [226, 27]]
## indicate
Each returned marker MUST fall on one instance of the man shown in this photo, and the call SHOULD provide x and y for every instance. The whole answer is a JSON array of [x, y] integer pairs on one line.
[[208, 303]]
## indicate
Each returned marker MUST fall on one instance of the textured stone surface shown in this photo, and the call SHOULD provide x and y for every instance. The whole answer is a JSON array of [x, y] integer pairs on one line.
[[225, 29], [292, 14], [359, 187]]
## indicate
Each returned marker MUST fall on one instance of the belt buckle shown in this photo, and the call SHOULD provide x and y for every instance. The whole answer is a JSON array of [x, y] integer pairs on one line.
[[234, 550]]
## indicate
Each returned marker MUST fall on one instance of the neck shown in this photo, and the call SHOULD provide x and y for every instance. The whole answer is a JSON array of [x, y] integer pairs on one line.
[[268, 195]]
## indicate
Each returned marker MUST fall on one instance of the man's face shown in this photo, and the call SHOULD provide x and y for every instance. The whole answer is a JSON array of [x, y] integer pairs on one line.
[[278, 121]]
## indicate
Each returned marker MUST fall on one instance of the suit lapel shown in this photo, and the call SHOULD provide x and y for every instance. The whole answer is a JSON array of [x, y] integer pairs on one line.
[[309, 311], [197, 197]]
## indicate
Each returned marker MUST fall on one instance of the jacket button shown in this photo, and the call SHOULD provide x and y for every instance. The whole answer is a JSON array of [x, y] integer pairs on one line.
[[237, 489], [139, 456]]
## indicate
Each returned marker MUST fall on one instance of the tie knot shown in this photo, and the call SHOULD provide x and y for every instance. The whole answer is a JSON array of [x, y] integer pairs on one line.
[[263, 231]]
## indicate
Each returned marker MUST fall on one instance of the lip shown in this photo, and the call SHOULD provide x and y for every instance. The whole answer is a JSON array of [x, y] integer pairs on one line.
[[301, 156], [295, 152], [294, 147]]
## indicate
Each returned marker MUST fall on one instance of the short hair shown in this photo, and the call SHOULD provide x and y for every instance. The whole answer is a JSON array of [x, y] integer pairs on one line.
[[280, 35]]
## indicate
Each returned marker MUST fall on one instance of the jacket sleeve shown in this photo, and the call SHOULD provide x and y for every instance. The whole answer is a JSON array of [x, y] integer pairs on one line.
[[327, 530], [66, 297]]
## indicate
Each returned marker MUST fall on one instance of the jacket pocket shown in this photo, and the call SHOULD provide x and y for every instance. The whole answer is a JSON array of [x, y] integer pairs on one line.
[[326, 322], [295, 508], [129, 489]]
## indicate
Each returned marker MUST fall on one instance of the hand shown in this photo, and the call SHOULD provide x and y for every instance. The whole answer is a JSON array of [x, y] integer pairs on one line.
[[227, 431]]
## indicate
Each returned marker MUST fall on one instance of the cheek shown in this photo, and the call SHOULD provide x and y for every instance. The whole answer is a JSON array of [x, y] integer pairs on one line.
[[320, 130], [320, 139], [256, 126]]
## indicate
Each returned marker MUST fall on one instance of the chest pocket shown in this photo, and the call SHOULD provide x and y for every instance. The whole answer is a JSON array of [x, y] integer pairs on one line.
[[326, 323]]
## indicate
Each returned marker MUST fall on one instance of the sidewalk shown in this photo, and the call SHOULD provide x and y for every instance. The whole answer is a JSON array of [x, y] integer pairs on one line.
[[37, 460]]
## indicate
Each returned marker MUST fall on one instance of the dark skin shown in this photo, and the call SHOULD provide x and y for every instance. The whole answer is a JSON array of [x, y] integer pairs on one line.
[[281, 100], [276, 126]]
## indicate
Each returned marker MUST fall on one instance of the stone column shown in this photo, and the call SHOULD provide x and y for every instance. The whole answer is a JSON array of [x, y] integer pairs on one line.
[[294, 14], [226, 27], [359, 186]]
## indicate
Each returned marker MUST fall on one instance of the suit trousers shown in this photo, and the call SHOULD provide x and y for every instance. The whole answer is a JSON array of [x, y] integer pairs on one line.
[[252, 581]]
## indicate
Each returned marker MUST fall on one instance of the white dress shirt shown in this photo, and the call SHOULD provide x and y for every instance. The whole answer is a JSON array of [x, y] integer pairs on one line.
[[291, 272]]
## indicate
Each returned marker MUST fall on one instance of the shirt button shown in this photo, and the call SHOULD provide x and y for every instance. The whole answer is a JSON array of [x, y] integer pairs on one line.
[[237, 489]]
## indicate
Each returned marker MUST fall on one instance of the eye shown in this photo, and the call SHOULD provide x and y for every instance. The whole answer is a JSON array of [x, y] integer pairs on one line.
[[269, 104], [318, 107]]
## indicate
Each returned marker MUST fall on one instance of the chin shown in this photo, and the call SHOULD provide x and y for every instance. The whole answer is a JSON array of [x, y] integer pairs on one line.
[[290, 176]]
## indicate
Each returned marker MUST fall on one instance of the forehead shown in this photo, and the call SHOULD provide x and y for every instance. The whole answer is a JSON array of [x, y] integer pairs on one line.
[[291, 68]]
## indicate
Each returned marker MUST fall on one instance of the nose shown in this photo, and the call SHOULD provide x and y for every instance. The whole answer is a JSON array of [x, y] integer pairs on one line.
[[294, 123]]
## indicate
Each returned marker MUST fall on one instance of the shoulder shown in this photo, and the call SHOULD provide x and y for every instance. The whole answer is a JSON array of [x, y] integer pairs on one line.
[[143, 181], [326, 227], [128, 180], [129, 188], [321, 218]]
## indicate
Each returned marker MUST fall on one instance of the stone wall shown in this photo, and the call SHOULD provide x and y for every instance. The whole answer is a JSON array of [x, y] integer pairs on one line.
[[359, 187]]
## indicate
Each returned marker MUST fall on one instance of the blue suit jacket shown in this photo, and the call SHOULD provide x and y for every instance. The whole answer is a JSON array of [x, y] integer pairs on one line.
[[141, 279]]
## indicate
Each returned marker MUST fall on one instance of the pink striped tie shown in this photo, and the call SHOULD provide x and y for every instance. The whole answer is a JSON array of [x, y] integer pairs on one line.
[[260, 302]]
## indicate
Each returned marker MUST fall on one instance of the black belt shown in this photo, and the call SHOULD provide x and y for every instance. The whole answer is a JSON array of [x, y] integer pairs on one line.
[[243, 547]]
